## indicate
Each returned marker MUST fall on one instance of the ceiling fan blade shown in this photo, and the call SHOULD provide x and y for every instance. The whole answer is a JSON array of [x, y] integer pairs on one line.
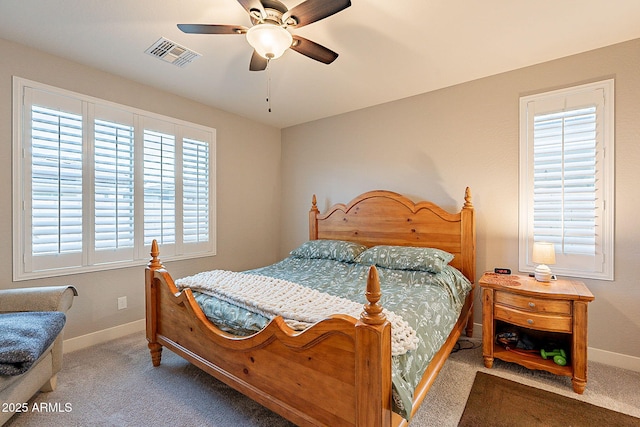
[[212, 29], [253, 5], [258, 63], [314, 10], [313, 50]]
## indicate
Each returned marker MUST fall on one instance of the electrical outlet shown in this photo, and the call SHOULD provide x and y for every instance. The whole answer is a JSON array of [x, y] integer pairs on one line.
[[122, 303]]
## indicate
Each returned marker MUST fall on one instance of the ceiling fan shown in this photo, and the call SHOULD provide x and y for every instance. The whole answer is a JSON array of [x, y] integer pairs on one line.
[[269, 35]]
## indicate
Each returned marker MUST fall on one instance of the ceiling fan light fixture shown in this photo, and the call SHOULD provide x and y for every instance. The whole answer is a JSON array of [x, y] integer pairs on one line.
[[269, 40]]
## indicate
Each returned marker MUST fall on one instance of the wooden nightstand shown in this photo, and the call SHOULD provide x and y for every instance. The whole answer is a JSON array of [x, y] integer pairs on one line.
[[554, 311]]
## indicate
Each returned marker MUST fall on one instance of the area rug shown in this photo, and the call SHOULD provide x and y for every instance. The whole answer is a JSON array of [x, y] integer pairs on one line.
[[495, 401]]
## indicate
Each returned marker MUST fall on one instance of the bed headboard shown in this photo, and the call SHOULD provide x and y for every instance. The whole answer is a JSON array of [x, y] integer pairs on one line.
[[387, 218]]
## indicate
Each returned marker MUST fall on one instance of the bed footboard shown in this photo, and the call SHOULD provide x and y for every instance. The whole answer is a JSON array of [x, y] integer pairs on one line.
[[337, 372]]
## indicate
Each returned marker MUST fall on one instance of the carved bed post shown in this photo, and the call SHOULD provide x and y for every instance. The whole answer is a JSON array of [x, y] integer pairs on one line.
[[151, 303], [313, 219], [373, 360], [468, 224]]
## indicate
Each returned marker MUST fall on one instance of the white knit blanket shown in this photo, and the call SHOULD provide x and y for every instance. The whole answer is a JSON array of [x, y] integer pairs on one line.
[[299, 306]]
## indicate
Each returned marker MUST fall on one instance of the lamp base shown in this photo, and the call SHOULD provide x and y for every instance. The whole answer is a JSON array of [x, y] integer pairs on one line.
[[542, 273]]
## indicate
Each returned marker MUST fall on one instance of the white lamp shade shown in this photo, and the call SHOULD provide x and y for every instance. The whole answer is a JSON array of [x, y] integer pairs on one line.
[[269, 40], [543, 253]]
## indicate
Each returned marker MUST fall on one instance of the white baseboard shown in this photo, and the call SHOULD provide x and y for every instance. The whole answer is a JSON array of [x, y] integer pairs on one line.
[[610, 358], [104, 335], [618, 360]]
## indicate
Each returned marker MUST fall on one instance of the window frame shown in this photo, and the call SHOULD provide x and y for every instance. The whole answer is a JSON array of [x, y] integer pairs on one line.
[[600, 95], [21, 161]]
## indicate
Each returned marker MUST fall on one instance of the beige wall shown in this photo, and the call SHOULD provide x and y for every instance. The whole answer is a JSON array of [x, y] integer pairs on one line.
[[248, 186], [433, 145]]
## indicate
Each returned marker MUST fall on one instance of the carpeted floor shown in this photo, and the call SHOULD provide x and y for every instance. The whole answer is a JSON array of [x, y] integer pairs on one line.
[[114, 384], [497, 402]]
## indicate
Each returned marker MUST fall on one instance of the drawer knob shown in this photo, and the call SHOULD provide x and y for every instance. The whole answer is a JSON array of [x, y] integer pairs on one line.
[[532, 304], [530, 321]]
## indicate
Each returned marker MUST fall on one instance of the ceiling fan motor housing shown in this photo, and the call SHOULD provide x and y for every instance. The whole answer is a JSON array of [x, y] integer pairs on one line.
[[273, 10]]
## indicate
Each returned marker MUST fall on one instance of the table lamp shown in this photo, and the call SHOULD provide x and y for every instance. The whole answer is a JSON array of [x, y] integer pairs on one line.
[[543, 253]]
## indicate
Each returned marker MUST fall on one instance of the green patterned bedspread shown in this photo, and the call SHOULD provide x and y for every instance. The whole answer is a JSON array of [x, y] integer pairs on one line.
[[430, 303]]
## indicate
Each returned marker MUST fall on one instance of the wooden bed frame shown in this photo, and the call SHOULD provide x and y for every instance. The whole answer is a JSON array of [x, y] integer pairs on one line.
[[338, 371]]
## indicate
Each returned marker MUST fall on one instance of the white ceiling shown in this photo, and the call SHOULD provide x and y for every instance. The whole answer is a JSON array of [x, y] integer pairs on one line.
[[388, 49]]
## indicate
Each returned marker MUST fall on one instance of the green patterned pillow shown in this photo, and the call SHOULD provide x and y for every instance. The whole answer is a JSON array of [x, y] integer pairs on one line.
[[338, 250], [406, 258]]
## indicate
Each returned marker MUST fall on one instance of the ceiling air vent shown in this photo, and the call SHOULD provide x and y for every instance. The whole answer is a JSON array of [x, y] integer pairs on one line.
[[172, 52]]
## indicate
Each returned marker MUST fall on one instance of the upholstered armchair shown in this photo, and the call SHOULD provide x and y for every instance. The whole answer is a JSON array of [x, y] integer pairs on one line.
[[42, 373]]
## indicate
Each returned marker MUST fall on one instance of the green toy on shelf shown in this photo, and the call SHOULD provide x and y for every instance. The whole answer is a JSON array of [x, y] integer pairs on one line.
[[559, 356]]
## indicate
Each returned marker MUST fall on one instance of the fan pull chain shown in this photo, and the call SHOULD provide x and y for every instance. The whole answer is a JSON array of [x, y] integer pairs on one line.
[[268, 86]]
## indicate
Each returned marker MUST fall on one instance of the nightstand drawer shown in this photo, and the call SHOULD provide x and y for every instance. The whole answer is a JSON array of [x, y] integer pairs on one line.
[[527, 303], [546, 322]]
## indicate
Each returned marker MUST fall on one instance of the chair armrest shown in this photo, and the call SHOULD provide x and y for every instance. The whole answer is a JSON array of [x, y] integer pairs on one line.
[[46, 298]]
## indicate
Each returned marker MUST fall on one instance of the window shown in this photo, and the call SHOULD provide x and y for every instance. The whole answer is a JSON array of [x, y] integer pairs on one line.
[[95, 182], [113, 185], [566, 178], [159, 187], [195, 183]]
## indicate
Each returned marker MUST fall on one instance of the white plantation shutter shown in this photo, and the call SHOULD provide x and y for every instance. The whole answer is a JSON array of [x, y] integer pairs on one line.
[[53, 204], [567, 179], [195, 179], [95, 182], [159, 187], [114, 156], [565, 204]]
